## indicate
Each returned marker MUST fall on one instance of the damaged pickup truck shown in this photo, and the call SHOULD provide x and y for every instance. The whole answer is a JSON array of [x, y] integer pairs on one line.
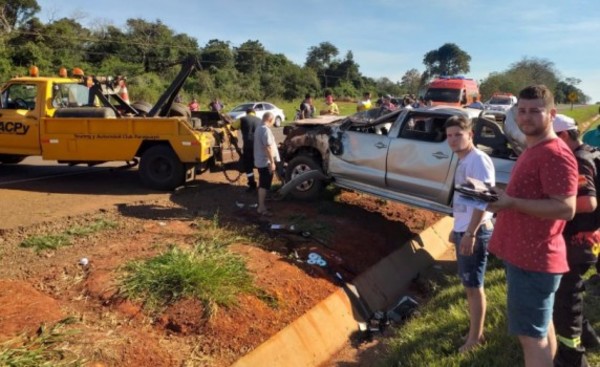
[[401, 156]]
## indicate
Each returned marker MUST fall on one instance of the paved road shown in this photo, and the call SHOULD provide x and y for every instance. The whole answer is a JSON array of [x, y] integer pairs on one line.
[[35, 191]]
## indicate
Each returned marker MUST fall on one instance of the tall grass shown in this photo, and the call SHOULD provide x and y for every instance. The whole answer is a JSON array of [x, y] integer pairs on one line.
[[209, 272], [581, 114]]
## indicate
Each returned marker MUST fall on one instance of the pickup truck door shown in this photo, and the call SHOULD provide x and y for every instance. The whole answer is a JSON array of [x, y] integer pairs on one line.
[[19, 119], [420, 163], [363, 158]]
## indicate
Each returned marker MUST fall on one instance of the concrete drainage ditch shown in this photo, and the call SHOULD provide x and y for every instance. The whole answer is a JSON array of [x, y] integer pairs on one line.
[[313, 338]]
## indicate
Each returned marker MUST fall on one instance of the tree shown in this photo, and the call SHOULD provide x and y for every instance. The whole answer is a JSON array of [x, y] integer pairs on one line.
[[217, 55], [446, 60], [320, 58], [534, 71], [154, 45], [411, 81], [346, 73], [13, 13], [250, 57]]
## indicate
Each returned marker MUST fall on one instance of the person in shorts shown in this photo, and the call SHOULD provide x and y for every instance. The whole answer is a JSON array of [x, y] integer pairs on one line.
[[266, 156], [472, 225], [531, 216]]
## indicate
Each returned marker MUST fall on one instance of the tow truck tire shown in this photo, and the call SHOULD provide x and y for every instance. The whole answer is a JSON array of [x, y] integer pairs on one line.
[[11, 159], [142, 107], [160, 168], [179, 109], [308, 190]]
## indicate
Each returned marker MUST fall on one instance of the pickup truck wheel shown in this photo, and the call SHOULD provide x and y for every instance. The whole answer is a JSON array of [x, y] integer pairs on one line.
[[11, 159], [307, 190], [161, 169], [277, 121]]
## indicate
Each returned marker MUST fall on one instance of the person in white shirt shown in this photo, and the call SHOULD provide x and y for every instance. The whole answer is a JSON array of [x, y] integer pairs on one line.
[[472, 226]]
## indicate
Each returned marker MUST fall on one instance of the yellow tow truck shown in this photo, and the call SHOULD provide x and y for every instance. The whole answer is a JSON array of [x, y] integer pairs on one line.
[[80, 120]]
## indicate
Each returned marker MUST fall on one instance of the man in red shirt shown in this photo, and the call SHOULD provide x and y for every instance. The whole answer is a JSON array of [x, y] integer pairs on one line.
[[532, 213]]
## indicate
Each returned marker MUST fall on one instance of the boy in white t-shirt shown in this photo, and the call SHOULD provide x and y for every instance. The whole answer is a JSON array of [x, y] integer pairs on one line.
[[472, 227]]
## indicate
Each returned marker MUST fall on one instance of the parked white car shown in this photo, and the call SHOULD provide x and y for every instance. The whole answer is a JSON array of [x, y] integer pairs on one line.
[[499, 104], [261, 108]]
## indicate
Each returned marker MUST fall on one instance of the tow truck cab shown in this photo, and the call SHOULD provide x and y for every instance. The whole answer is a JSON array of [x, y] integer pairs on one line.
[[72, 121]]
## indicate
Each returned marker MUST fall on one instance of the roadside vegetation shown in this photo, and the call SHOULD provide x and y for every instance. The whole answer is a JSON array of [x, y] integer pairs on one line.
[[433, 337], [583, 115], [49, 347], [55, 241], [208, 272]]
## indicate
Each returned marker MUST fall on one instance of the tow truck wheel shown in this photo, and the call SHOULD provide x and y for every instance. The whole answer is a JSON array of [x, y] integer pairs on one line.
[[11, 159], [161, 169], [309, 189]]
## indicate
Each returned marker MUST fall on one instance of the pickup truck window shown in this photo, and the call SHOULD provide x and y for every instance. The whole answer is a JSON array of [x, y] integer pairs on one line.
[[19, 97], [70, 95], [424, 128]]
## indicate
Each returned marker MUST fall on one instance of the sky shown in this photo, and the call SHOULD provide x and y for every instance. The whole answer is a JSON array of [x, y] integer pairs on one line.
[[386, 37]]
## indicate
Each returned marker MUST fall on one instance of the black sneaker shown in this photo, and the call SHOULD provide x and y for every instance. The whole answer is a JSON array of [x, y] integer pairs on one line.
[[251, 189]]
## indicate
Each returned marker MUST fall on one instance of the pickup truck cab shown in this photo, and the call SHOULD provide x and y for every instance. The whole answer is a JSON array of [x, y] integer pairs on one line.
[[73, 122], [401, 156]]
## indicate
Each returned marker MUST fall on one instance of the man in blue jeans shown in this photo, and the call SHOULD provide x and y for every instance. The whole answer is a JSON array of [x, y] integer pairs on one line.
[[472, 227]]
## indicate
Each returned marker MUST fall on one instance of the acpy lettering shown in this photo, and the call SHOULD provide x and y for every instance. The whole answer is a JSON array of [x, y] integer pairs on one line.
[[17, 128]]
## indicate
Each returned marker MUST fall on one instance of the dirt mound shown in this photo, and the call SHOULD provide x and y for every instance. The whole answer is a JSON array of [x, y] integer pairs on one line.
[[351, 233]]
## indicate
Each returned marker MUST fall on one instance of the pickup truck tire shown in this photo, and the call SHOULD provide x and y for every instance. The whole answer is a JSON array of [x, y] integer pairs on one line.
[[11, 159], [277, 121], [310, 189], [161, 169]]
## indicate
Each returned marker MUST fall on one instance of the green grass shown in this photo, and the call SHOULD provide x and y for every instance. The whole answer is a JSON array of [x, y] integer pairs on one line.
[[55, 241], [208, 272], [48, 348], [433, 337], [582, 114]]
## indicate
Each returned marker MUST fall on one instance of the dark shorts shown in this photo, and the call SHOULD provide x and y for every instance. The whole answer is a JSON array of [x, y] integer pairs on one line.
[[471, 269], [265, 178], [530, 301]]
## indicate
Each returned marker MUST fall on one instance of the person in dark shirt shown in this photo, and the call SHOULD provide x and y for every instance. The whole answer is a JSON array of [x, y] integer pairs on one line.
[[248, 125], [306, 107], [582, 237]]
